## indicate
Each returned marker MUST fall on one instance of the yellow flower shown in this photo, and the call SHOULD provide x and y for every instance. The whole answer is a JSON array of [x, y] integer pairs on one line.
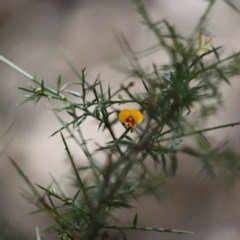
[[130, 117], [203, 46]]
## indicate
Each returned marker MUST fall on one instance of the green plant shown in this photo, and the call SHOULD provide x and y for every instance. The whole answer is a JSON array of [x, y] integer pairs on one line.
[[173, 101]]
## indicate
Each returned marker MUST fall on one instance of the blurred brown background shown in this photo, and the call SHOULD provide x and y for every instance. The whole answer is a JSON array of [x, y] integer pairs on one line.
[[32, 33]]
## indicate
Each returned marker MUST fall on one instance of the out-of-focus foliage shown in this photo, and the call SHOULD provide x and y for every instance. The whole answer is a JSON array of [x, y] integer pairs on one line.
[[174, 100]]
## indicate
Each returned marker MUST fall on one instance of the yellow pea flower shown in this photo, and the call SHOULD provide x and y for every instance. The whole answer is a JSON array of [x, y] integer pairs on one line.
[[130, 117]]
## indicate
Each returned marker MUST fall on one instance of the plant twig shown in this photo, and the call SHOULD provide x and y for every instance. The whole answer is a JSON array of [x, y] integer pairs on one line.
[[152, 229], [201, 131]]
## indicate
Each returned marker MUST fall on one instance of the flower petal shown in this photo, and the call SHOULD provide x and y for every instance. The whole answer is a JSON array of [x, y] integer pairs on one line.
[[137, 116], [123, 115]]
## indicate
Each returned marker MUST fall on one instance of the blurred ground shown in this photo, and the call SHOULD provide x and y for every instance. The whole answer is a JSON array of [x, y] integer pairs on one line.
[[32, 33]]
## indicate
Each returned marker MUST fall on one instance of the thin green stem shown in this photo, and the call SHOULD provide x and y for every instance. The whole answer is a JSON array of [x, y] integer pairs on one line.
[[80, 181], [29, 76], [201, 131], [14, 66], [149, 229]]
